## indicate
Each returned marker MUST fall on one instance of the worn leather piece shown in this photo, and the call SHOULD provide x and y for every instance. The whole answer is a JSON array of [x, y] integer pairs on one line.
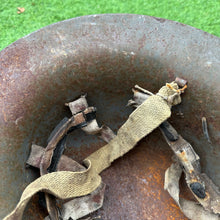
[[80, 206], [77, 121], [191, 209], [65, 163], [206, 192]]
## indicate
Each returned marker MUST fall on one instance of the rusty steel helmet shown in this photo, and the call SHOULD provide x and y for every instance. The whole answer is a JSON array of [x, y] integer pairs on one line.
[[105, 56]]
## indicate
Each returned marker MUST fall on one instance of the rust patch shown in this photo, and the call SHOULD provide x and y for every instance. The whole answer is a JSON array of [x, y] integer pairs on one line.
[[183, 156]]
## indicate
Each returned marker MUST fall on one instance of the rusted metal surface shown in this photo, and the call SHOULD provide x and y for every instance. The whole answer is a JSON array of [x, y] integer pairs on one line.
[[105, 56], [180, 82]]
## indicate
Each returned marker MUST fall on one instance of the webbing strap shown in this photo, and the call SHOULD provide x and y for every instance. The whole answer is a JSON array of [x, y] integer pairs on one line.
[[76, 184], [140, 123]]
